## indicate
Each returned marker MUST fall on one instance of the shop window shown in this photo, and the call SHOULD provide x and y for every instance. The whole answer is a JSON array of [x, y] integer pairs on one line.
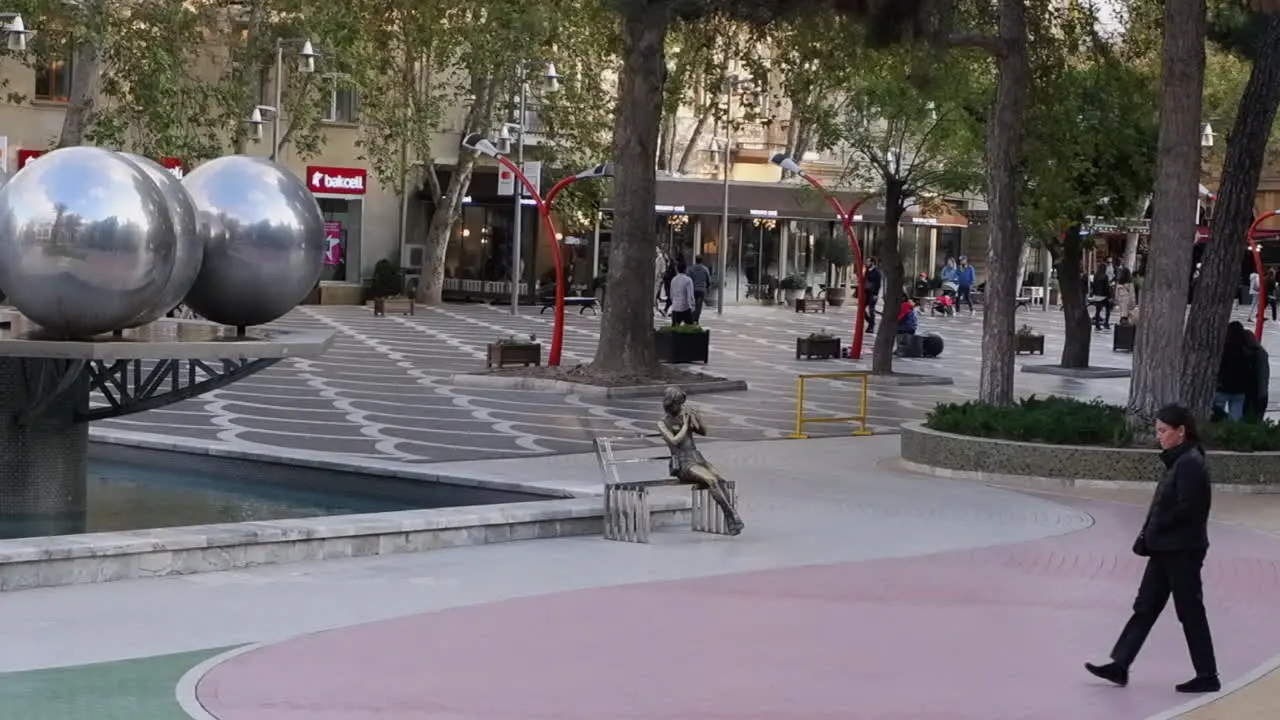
[[343, 106], [949, 245], [53, 80]]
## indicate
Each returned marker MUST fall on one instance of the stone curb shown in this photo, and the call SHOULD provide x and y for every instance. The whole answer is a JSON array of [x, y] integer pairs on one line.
[[497, 382], [910, 380], [1034, 482], [1007, 461], [185, 691], [1091, 373]]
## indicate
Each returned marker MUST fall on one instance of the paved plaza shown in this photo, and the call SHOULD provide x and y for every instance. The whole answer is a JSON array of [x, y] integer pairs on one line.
[[853, 594], [858, 591], [383, 390]]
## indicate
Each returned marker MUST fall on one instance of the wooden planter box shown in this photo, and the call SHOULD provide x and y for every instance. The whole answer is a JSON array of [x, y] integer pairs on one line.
[[808, 305], [402, 305], [820, 348], [682, 347], [1124, 337], [1029, 344], [502, 355]]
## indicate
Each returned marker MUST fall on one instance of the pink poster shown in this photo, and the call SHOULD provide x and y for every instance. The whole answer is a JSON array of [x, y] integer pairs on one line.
[[333, 239]]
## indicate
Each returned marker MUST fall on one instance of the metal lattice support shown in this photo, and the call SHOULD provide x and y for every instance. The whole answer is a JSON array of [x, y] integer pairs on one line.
[[43, 448], [133, 386]]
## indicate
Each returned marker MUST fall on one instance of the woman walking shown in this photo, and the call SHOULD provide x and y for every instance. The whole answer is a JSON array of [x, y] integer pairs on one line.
[[1174, 539]]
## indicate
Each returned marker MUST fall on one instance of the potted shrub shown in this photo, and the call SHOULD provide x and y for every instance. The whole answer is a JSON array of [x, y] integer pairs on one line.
[[1028, 341], [388, 282], [791, 286], [682, 343], [819, 345], [515, 350]]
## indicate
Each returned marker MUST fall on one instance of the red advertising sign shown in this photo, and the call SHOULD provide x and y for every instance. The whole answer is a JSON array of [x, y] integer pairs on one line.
[[25, 156], [336, 180], [173, 165]]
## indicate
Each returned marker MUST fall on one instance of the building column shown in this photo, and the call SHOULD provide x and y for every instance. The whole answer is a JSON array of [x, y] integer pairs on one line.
[[784, 243], [595, 249]]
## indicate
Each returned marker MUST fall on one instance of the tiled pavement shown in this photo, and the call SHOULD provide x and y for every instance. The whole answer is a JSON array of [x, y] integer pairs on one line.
[[383, 389], [863, 593]]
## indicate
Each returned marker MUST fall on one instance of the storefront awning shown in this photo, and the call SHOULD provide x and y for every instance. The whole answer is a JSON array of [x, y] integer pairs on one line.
[[686, 196]]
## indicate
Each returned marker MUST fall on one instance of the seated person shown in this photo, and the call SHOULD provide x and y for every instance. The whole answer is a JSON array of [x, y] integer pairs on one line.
[[908, 319], [922, 285]]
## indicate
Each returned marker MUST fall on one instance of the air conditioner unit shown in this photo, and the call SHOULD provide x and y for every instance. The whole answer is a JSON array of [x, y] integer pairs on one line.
[[413, 257]]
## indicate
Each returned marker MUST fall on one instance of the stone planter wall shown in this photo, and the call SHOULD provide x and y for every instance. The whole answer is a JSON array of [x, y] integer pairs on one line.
[[983, 456]]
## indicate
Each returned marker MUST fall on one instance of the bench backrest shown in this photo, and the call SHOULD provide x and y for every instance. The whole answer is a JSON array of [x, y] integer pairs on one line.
[[609, 462]]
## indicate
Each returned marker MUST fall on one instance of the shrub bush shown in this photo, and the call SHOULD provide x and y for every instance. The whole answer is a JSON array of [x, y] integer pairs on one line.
[[1055, 420]]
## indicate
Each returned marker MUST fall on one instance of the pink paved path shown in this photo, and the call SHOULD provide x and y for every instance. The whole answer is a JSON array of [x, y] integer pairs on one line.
[[990, 634]]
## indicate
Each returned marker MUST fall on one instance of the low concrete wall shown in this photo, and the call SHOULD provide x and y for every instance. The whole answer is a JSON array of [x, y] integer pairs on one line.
[[105, 557], [985, 458]]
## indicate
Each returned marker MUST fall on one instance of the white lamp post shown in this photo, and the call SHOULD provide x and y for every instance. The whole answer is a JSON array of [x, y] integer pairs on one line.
[[15, 32], [515, 132], [306, 64]]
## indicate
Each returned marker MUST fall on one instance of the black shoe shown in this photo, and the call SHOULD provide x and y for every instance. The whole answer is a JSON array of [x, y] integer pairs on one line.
[[1110, 672], [1201, 684]]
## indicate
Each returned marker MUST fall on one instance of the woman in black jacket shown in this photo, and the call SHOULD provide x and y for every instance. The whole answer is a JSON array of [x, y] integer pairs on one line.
[[1174, 538]]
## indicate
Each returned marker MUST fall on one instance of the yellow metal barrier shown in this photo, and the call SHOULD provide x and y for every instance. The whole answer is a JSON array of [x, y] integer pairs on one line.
[[860, 418]]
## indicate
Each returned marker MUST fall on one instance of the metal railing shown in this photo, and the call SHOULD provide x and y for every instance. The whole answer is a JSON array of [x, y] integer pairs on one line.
[[860, 418]]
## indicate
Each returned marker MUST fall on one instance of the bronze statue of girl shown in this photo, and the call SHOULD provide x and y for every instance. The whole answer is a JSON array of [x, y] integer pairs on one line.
[[688, 465]]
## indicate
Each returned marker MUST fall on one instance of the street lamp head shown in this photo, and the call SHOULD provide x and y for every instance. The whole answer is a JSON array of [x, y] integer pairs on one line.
[[599, 171], [1206, 136], [16, 34], [254, 121], [552, 78], [307, 58], [785, 162], [505, 134], [479, 143]]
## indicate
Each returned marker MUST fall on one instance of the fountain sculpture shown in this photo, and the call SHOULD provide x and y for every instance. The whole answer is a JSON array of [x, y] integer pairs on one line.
[[96, 247]]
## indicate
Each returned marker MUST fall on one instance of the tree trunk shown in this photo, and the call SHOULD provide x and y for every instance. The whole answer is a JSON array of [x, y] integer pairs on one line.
[[891, 281], [1157, 355], [1004, 155], [1220, 264], [626, 324], [1079, 333], [691, 147], [448, 203], [86, 69]]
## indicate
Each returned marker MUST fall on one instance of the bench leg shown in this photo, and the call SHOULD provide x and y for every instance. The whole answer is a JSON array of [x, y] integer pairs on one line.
[[626, 513], [707, 515]]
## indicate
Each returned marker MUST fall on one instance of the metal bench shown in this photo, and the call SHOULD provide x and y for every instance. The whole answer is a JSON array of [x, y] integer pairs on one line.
[[583, 304], [626, 502]]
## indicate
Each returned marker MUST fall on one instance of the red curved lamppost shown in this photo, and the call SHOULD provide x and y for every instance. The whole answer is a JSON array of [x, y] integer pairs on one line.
[[481, 144], [787, 163], [1257, 264]]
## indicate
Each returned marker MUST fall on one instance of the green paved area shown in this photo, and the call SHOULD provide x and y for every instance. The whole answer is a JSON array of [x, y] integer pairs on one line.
[[140, 689]]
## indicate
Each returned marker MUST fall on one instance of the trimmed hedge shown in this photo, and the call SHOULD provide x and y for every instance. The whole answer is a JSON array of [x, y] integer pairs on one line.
[[1056, 420]]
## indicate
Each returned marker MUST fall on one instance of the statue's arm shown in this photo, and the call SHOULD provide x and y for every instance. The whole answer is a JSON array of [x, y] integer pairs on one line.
[[673, 438]]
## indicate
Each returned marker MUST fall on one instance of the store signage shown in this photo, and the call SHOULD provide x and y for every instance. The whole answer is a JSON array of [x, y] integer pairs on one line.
[[507, 179], [173, 165], [764, 213], [669, 209], [25, 156], [532, 171], [924, 221], [336, 180]]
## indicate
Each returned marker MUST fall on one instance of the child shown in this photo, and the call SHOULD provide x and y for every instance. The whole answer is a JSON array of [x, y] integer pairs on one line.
[[945, 305], [908, 320]]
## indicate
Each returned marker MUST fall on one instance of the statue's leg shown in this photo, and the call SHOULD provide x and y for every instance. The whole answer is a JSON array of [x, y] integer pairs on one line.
[[708, 477]]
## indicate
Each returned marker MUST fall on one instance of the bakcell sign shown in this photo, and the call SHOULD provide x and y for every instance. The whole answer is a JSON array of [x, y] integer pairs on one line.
[[336, 180], [25, 156]]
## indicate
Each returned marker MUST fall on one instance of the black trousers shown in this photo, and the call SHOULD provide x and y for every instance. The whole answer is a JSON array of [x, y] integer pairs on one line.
[[1176, 574], [699, 298], [869, 309]]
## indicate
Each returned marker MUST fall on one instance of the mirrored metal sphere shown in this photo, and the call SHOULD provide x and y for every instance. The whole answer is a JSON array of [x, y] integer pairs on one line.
[[270, 251], [86, 241], [189, 250]]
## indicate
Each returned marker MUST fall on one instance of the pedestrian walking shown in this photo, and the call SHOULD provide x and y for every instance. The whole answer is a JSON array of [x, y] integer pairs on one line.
[[1174, 539]]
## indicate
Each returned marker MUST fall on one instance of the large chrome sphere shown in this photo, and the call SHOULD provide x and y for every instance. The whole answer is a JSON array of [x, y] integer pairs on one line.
[[267, 245], [189, 250], [86, 241]]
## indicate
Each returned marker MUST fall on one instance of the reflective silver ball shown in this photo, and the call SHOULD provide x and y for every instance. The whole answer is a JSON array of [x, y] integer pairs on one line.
[[86, 241], [189, 250], [269, 251]]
